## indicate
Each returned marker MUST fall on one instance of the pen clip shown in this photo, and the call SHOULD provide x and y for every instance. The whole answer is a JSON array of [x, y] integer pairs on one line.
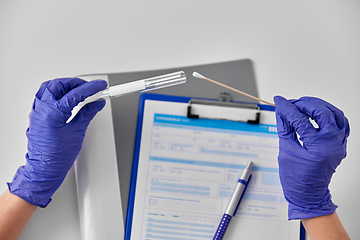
[[247, 183]]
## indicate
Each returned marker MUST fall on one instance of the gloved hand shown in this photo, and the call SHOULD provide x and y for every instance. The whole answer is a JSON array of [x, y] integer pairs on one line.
[[53, 144], [305, 171]]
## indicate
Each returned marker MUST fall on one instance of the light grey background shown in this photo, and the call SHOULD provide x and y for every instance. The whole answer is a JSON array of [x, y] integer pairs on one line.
[[297, 47]]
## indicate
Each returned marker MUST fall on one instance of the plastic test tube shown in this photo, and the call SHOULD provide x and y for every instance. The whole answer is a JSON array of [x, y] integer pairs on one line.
[[143, 85]]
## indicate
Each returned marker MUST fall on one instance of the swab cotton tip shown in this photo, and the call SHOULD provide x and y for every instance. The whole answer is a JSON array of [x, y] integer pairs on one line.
[[198, 75]]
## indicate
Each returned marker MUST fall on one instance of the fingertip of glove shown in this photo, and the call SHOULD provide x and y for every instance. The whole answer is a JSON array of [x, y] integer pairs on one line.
[[96, 106], [279, 101], [91, 109], [88, 112], [100, 104], [99, 84]]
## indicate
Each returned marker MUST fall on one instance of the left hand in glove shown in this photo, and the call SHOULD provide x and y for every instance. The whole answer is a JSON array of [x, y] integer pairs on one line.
[[53, 144]]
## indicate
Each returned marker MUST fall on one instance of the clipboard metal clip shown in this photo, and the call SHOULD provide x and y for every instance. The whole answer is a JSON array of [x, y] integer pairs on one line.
[[224, 109]]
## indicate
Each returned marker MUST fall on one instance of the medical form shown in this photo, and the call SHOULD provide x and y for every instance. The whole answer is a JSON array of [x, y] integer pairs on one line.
[[188, 169]]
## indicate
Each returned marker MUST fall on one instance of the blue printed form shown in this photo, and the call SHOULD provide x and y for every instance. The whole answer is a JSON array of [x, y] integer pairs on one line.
[[187, 171]]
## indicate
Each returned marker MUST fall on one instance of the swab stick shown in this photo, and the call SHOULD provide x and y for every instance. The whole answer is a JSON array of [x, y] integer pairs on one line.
[[198, 75]]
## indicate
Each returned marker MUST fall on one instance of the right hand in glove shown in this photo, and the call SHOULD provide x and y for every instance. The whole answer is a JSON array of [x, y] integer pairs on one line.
[[306, 170]]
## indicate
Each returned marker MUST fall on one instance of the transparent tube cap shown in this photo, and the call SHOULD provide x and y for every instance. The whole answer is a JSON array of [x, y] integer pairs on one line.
[[166, 80], [144, 85]]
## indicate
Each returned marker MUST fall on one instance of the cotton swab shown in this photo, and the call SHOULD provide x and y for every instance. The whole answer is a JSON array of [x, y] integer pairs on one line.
[[198, 75]]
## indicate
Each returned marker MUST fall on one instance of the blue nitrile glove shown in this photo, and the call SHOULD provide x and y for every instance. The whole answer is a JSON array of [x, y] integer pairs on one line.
[[53, 144], [305, 171]]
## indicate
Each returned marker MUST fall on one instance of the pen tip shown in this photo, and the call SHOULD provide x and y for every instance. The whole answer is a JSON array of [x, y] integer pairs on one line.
[[198, 75], [249, 165]]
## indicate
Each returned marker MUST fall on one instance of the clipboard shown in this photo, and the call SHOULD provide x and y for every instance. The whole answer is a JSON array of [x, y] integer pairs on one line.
[[186, 165]]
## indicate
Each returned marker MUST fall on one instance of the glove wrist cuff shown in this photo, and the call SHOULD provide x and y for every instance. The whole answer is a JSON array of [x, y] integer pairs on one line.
[[28, 196], [32, 188], [296, 212]]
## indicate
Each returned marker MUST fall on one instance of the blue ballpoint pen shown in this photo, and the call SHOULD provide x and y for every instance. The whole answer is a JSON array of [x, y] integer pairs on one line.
[[234, 202]]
